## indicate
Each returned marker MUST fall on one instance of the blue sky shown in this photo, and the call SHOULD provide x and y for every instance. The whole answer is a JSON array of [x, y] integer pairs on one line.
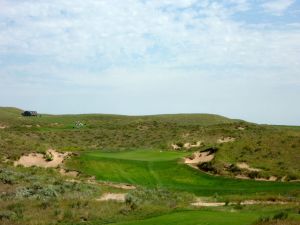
[[237, 58]]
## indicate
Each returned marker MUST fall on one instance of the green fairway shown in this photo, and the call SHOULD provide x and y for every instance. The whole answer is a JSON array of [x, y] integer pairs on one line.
[[200, 218], [163, 169]]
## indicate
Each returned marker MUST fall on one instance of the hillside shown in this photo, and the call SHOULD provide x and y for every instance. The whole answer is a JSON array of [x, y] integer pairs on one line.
[[143, 161]]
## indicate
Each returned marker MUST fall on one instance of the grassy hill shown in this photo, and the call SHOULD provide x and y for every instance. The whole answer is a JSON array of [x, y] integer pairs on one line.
[[138, 150]]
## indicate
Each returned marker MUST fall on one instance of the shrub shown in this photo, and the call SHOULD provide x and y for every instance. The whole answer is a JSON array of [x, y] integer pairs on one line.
[[7, 215], [280, 216], [208, 167]]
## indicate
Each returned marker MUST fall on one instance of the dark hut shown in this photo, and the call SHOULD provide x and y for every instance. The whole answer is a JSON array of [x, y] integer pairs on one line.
[[29, 113]]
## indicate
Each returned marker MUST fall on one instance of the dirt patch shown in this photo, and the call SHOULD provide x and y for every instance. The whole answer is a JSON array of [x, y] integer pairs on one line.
[[225, 140], [120, 186], [37, 159], [240, 176], [201, 203], [3, 126], [175, 147], [68, 173], [255, 202], [271, 178], [186, 145], [120, 197], [241, 128], [245, 166]]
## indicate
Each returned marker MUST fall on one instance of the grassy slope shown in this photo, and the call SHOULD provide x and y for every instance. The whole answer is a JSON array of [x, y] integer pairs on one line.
[[113, 132], [274, 149], [158, 170]]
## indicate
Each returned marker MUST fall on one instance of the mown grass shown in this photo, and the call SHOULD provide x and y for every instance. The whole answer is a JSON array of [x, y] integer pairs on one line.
[[160, 171]]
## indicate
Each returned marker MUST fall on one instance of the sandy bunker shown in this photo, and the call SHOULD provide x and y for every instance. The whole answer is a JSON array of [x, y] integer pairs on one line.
[[38, 159], [199, 157], [120, 197]]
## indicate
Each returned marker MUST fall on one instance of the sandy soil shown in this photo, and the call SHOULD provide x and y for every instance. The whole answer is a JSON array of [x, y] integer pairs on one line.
[[121, 186], [175, 147], [120, 197], [225, 140], [199, 157], [208, 204], [240, 176], [202, 203], [187, 145], [68, 173], [3, 126], [37, 159], [245, 166], [272, 178]]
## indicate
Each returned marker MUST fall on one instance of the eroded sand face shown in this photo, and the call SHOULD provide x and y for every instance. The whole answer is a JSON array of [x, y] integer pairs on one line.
[[120, 197], [245, 166], [198, 158], [201, 203], [37, 159]]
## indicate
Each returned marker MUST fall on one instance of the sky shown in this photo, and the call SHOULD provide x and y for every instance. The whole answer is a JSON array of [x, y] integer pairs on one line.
[[236, 58]]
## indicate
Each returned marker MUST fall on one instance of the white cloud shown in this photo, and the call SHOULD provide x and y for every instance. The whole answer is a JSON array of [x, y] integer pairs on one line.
[[137, 46], [277, 7]]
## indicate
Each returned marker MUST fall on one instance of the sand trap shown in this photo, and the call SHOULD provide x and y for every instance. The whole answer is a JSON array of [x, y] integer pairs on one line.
[[245, 166], [201, 203], [255, 202], [208, 204], [197, 158], [272, 178], [37, 159], [175, 147], [225, 140], [240, 176], [112, 197], [68, 173]]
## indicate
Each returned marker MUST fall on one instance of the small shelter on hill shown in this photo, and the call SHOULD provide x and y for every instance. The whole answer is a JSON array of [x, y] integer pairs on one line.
[[29, 113]]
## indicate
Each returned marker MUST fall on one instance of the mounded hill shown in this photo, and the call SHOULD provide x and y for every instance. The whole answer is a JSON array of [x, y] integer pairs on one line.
[[273, 150], [147, 152]]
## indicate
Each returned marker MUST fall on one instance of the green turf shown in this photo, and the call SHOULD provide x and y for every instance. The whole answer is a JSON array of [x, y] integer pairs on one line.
[[200, 218], [160, 171]]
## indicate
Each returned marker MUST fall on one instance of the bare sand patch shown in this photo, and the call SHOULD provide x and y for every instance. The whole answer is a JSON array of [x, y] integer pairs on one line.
[[187, 145], [201, 203], [175, 147], [240, 176], [245, 166], [241, 128], [71, 173], [120, 186], [3, 126], [271, 178], [198, 158], [38, 159], [225, 140], [120, 197]]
